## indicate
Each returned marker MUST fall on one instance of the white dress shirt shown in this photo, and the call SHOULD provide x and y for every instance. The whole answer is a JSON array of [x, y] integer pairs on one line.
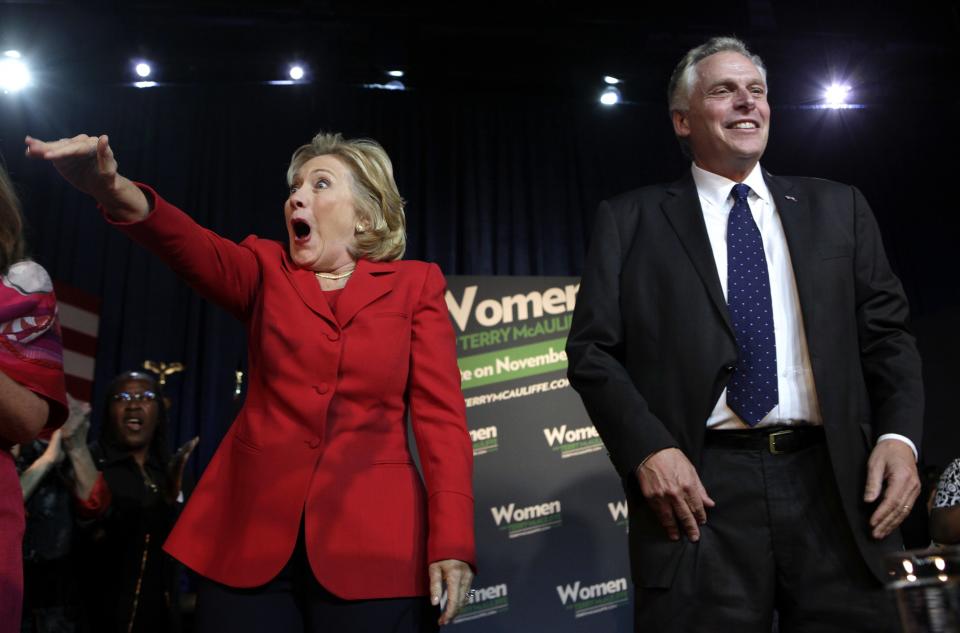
[[797, 392]]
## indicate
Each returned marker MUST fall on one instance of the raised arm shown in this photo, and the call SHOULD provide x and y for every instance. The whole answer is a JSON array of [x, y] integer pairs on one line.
[[88, 163], [224, 272]]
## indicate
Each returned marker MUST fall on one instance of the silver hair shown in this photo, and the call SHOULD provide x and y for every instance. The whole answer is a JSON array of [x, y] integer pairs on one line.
[[685, 74]]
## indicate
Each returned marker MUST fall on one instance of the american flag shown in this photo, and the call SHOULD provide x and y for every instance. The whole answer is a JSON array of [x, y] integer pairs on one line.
[[79, 321]]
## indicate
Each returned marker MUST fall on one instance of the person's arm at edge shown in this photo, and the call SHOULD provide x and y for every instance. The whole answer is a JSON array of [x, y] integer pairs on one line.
[[23, 413], [438, 419], [892, 371]]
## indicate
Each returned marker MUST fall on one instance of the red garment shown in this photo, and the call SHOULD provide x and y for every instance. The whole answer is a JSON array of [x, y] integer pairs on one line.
[[97, 503], [31, 354], [323, 430]]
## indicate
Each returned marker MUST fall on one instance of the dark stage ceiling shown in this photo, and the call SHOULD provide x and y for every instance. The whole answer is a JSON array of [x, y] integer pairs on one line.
[[889, 51]]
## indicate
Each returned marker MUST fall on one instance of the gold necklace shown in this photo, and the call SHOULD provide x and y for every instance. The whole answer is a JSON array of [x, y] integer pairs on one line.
[[332, 276]]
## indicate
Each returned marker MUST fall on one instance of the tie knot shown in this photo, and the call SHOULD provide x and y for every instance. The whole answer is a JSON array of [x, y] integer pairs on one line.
[[740, 192]]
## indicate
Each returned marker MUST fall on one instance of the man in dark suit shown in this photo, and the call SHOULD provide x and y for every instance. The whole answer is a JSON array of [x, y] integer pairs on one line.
[[740, 343]]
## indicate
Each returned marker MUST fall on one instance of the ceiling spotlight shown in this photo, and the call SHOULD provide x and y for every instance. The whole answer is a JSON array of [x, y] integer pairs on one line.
[[836, 95], [610, 96], [610, 80], [142, 69], [14, 74], [296, 72], [395, 73]]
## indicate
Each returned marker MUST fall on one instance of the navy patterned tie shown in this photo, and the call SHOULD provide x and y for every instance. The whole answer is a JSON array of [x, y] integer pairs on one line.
[[752, 390]]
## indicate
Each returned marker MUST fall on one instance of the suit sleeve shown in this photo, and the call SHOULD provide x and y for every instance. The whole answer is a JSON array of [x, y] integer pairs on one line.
[[888, 351], [438, 417], [596, 354], [220, 270]]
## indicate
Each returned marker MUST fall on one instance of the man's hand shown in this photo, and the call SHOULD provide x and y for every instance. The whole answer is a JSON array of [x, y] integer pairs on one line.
[[457, 576], [673, 489], [891, 467]]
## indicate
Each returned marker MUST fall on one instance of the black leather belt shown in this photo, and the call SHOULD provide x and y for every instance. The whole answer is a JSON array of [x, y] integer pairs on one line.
[[775, 439]]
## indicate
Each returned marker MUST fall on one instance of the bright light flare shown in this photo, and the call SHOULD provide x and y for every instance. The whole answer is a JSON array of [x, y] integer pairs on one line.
[[143, 69], [610, 80], [836, 95], [14, 73], [296, 72], [610, 96], [395, 73]]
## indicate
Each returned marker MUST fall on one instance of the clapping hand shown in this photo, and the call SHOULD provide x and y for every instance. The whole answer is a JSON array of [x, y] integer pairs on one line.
[[75, 429]]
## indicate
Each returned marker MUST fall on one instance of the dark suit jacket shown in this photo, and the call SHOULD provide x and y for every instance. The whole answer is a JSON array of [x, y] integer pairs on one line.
[[322, 433], [651, 346]]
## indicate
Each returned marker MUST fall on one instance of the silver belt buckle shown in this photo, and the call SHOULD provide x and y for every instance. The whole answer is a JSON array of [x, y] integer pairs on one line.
[[772, 439]]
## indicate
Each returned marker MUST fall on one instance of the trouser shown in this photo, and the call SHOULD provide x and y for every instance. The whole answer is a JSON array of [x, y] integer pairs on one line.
[[777, 540], [294, 601]]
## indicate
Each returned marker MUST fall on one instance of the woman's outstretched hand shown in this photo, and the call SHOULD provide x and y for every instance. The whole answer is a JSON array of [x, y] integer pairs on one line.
[[88, 163]]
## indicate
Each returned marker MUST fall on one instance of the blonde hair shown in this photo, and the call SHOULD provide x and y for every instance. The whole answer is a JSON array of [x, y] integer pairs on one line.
[[376, 199], [12, 248]]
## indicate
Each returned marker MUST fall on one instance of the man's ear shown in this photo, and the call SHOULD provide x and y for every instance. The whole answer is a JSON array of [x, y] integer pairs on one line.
[[681, 126]]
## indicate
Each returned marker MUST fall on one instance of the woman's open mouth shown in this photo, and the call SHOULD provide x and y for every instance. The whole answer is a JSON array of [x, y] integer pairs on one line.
[[301, 230]]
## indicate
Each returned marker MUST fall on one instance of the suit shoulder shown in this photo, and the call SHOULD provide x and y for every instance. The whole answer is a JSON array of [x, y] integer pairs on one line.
[[411, 265], [638, 198], [414, 270], [263, 245], [819, 186]]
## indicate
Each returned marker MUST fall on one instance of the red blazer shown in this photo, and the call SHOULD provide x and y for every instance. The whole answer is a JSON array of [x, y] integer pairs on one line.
[[323, 427]]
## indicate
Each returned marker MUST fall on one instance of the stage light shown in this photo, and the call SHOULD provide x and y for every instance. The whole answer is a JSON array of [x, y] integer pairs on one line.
[[395, 73], [393, 84], [611, 80], [143, 69], [835, 96], [296, 72], [14, 74], [610, 96]]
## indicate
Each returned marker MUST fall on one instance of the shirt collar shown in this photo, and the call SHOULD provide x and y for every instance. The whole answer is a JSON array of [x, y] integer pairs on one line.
[[715, 189]]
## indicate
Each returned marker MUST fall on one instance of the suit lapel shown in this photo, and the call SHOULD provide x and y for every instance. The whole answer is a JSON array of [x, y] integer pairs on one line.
[[305, 283], [369, 282], [794, 210], [683, 211]]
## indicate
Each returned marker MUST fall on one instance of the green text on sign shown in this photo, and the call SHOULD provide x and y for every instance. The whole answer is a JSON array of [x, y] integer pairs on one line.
[[516, 362]]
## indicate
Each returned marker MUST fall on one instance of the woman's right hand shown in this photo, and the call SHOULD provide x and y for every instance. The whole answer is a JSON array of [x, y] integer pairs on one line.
[[88, 163]]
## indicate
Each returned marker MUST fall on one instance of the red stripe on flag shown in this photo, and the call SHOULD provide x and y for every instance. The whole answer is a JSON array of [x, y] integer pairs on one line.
[[76, 297], [79, 388], [79, 342]]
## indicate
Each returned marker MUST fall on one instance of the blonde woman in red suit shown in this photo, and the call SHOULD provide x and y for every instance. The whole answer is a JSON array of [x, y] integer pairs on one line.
[[344, 340]]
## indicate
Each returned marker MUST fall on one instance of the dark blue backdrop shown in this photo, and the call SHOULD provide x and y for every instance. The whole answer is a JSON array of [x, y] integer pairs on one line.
[[494, 186]]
